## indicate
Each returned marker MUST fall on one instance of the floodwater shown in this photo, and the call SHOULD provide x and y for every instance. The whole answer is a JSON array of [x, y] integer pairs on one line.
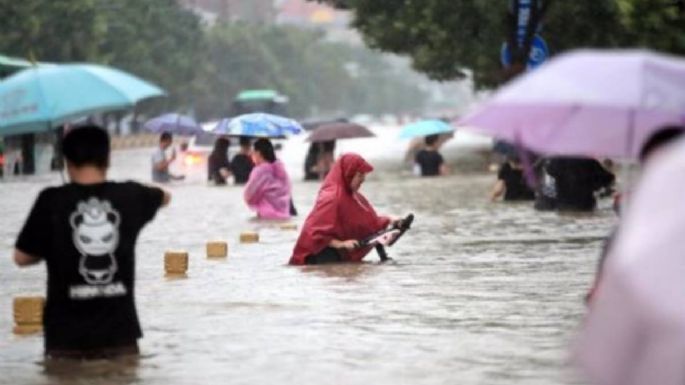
[[479, 293]]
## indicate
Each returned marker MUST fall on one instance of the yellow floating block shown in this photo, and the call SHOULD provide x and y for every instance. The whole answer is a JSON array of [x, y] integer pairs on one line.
[[175, 263], [217, 249], [28, 310], [27, 329], [249, 237], [288, 226]]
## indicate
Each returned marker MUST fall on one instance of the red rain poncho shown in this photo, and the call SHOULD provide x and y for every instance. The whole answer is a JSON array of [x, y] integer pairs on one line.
[[339, 213]]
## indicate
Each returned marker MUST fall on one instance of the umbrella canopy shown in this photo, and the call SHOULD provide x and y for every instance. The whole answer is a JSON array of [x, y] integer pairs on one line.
[[425, 128], [587, 102], [40, 98], [333, 131], [258, 125], [173, 123], [635, 330]]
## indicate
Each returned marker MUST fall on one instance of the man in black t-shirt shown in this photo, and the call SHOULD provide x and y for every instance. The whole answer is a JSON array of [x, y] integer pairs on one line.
[[86, 232], [429, 161]]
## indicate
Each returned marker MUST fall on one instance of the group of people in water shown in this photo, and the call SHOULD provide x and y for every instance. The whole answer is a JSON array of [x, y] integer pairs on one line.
[[553, 183], [86, 232]]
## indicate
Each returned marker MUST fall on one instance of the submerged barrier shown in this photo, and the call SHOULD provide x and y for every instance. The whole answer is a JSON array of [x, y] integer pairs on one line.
[[28, 314], [249, 237], [288, 226], [217, 249], [176, 264]]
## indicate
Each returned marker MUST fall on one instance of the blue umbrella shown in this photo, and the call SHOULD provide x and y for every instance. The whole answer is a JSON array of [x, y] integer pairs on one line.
[[40, 98], [425, 128], [258, 124], [174, 124]]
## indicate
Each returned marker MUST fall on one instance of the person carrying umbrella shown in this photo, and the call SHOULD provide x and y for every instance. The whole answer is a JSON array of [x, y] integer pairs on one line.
[[86, 232], [340, 218], [268, 189]]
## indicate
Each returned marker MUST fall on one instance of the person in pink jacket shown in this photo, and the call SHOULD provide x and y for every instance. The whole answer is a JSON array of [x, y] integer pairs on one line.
[[268, 190]]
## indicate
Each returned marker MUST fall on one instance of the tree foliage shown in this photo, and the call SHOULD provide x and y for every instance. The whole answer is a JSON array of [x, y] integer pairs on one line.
[[203, 68], [447, 38]]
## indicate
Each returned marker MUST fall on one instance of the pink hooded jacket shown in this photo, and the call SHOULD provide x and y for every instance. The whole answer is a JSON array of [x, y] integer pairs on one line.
[[268, 191]]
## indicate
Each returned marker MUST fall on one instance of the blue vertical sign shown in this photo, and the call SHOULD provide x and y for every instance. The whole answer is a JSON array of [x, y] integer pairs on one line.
[[539, 51], [523, 18]]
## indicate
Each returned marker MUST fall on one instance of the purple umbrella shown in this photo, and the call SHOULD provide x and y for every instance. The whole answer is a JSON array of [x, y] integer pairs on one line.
[[339, 130], [587, 102], [173, 123]]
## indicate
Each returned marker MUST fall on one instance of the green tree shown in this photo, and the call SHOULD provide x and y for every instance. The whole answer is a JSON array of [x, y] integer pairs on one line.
[[56, 31], [447, 38]]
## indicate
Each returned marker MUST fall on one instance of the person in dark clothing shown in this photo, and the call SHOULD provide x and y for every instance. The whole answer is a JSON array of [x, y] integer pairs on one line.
[[326, 158], [577, 180], [86, 232], [242, 164], [546, 191], [310, 162], [218, 166], [429, 161], [511, 182]]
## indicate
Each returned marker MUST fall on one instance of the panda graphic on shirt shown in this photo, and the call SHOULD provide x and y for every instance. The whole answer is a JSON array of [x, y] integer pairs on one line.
[[95, 233]]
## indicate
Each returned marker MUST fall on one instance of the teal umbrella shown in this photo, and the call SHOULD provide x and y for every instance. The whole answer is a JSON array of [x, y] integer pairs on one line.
[[425, 128], [40, 98]]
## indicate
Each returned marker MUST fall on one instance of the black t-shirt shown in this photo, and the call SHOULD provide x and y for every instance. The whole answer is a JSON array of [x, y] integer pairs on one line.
[[241, 166], [87, 236], [576, 181], [516, 188], [430, 162]]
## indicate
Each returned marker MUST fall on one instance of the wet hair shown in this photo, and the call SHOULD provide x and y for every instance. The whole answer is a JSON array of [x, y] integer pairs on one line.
[[660, 138], [266, 149], [165, 137], [86, 146], [328, 146], [431, 139], [245, 141], [221, 145]]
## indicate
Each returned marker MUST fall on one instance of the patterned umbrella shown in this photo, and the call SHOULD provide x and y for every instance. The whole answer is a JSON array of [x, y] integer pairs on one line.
[[258, 125]]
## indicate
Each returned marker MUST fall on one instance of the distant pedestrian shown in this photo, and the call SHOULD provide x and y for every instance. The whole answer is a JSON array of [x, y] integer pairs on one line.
[[160, 162], [573, 182], [86, 233], [325, 159], [242, 164], [218, 166], [268, 190], [511, 183], [310, 162], [428, 161]]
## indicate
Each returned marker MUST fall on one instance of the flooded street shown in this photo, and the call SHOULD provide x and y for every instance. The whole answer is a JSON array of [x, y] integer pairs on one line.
[[479, 293]]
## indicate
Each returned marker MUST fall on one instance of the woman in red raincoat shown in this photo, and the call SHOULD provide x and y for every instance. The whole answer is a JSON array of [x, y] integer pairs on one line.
[[341, 217]]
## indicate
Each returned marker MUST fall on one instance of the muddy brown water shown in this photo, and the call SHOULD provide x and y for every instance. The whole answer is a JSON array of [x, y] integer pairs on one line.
[[479, 293]]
